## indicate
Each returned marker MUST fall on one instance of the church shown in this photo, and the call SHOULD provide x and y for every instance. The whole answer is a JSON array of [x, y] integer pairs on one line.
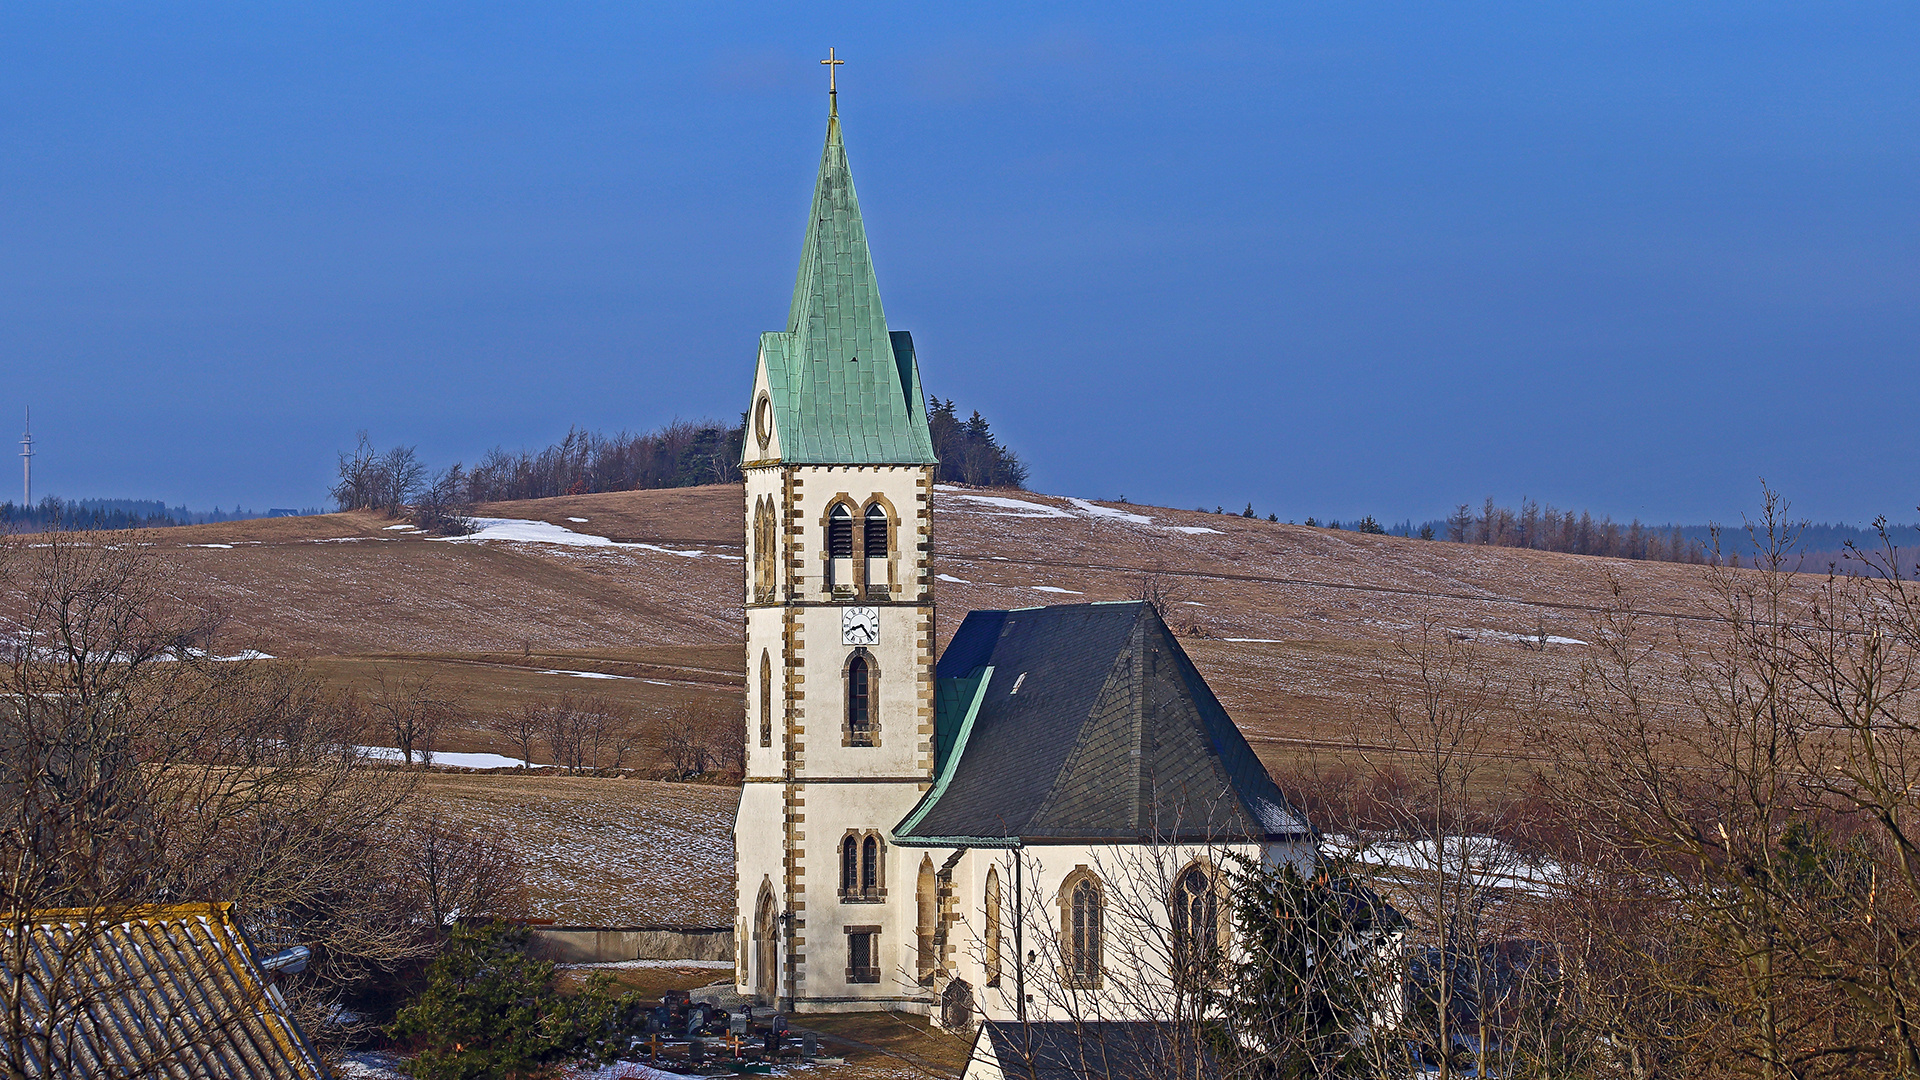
[[1036, 825]]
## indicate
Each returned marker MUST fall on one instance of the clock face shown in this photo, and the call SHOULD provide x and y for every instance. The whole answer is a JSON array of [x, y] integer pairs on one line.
[[860, 626]]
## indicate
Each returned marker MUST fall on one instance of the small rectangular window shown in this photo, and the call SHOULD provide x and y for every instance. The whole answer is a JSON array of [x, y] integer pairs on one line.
[[863, 954]]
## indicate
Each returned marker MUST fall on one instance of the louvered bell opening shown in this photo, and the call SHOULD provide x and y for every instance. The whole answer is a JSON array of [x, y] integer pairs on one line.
[[875, 543], [840, 548]]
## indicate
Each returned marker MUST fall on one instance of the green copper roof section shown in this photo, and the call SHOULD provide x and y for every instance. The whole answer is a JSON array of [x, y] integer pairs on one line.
[[845, 389], [956, 703]]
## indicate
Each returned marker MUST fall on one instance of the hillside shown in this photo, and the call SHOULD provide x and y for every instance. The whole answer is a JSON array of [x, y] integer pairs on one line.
[[636, 596], [1294, 626]]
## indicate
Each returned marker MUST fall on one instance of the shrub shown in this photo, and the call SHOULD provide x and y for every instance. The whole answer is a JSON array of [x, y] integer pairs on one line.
[[490, 1010]]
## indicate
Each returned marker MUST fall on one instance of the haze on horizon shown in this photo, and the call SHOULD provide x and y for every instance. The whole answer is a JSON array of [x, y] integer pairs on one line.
[[1368, 259]]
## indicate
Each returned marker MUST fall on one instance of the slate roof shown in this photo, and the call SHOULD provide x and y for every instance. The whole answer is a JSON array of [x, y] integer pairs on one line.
[[1086, 722], [1066, 1050], [845, 389], [163, 991]]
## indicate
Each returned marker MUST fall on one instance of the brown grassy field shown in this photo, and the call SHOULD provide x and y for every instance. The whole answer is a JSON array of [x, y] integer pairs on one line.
[[1297, 629]]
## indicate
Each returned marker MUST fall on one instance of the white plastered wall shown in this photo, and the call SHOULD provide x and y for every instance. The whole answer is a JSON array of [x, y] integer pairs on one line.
[[810, 769], [1136, 881]]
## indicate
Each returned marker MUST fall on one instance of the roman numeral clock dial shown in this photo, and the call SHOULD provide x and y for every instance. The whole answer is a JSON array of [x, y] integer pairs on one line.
[[860, 626]]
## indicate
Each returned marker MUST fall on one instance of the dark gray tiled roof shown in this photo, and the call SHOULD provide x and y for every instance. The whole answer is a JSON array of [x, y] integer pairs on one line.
[[1094, 725], [1062, 1050]]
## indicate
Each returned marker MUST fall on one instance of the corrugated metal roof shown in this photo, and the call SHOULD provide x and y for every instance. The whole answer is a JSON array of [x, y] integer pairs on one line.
[[172, 991]]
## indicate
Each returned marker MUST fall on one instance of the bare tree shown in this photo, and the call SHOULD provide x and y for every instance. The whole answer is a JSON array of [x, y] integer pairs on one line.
[[1753, 807], [442, 506], [461, 873], [411, 715], [566, 727], [522, 729], [706, 737], [1435, 844], [399, 476], [136, 771]]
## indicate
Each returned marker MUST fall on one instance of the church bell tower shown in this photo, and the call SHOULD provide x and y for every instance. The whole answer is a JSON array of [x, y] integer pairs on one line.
[[839, 471]]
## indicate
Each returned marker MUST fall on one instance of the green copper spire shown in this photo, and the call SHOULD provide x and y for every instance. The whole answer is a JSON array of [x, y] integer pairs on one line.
[[846, 390]]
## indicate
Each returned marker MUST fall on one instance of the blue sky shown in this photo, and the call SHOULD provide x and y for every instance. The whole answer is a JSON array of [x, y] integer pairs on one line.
[[1332, 259]]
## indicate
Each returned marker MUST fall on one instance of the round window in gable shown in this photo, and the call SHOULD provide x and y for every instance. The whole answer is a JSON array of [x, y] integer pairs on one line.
[[763, 421]]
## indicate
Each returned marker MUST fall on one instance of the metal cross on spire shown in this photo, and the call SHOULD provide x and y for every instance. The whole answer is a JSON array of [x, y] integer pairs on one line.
[[833, 88]]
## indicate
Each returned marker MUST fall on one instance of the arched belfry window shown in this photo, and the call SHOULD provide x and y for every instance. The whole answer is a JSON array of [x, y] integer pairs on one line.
[[873, 543], [840, 532], [1196, 923], [863, 688], [840, 547]]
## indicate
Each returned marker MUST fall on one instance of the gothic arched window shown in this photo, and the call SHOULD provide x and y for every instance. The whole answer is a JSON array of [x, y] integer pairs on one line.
[[765, 549], [849, 866], [859, 701], [926, 905], [870, 866], [1196, 923], [1082, 910], [990, 944], [766, 698]]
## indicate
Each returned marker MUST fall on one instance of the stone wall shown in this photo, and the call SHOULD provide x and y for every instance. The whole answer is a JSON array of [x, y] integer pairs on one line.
[[605, 944]]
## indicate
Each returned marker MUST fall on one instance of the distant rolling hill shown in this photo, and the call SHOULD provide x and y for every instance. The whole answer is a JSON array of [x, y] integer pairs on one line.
[[1295, 627], [637, 596]]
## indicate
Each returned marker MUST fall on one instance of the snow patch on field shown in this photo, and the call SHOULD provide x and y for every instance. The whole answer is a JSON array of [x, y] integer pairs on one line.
[[1094, 510], [521, 530], [950, 578], [629, 965], [1020, 507], [202, 654], [402, 526], [580, 520], [369, 1065], [228, 547], [1258, 640], [1024, 508], [1054, 589], [1482, 858], [628, 1070], [1531, 639], [585, 674], [457, 761]]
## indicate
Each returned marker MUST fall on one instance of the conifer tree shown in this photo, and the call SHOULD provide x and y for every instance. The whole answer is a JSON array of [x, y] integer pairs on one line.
[[1301, 999]]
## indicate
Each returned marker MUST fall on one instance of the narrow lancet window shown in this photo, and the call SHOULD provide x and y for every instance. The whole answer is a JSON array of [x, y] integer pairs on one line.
[[859, 703]]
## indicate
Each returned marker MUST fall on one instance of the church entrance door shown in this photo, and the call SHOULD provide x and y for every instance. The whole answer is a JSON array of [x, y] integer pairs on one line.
[[766, 949]]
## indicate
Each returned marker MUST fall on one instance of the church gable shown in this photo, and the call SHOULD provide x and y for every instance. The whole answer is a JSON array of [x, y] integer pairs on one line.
[[762, 442], [1093, 725]]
